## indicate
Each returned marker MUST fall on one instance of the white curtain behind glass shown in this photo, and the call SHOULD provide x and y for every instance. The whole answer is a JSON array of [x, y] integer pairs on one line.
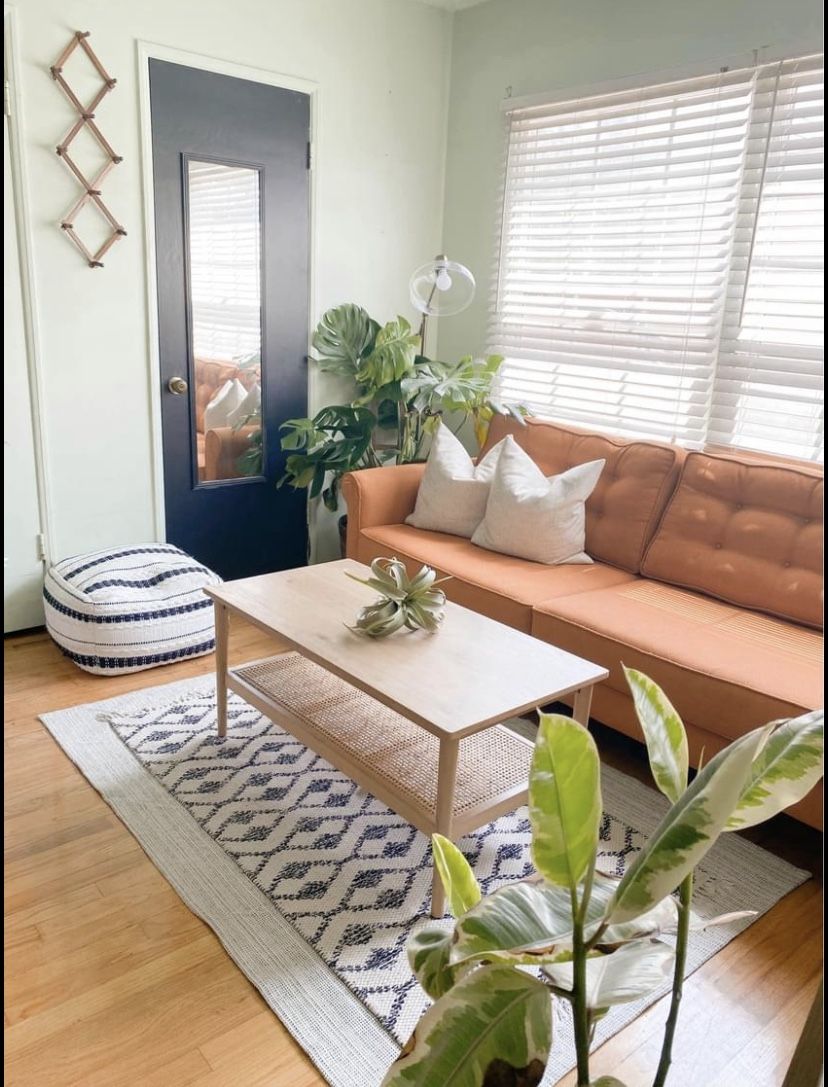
[[225, 261]]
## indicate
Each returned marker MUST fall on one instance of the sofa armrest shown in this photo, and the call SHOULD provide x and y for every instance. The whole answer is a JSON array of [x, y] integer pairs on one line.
[[222, 448], [379, 496]]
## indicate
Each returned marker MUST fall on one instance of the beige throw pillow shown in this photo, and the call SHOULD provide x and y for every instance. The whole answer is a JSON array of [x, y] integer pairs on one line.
[[226, 400], [250, 406], [535, 517], [453, 491]]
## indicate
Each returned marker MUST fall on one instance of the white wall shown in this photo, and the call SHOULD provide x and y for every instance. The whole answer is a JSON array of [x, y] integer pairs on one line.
[[382, 71], [534, 46]]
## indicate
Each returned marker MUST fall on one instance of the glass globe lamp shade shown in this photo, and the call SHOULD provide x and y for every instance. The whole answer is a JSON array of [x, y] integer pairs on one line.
[[441, 287]]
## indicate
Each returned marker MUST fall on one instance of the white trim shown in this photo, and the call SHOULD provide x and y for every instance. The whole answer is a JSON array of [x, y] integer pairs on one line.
[[28, 280], [147, 51], [765, 54]]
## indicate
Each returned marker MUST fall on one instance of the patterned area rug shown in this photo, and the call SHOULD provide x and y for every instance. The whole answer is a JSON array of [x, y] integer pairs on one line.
[[314, 886]]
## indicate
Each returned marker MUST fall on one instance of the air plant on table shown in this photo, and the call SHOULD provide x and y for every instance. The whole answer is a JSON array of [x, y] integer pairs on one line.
[[414, 603]]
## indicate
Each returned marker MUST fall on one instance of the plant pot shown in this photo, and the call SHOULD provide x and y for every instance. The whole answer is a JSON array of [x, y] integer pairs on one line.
[[342, 525]]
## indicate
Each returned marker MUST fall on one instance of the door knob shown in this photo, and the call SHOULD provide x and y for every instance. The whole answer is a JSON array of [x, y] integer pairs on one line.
[[177, 386]]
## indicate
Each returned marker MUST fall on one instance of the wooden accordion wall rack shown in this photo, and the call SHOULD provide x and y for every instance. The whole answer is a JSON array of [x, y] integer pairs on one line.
[[86, 119]]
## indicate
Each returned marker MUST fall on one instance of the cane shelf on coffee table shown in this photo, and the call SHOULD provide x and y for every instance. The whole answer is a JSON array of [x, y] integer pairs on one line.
[[414, 718]]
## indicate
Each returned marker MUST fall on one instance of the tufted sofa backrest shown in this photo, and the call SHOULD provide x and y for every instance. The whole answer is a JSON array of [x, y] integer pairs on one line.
[[623, 510], [746, 532]]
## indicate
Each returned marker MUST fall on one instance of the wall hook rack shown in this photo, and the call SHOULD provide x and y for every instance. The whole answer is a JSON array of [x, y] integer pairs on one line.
[[91, 193]]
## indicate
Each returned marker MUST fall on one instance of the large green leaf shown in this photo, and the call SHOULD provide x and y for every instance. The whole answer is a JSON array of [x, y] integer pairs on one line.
[[392, 357], [564, 800], [785, 770], [687, 831], [462, 890], [633, 971], [531, 923], [664, 732], [342, 337], [428, 955], [517, 921], [337, 440], [495, 1020]]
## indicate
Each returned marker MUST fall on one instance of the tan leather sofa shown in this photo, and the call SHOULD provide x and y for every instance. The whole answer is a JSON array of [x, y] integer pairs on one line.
[[218, 448], [707, 576]]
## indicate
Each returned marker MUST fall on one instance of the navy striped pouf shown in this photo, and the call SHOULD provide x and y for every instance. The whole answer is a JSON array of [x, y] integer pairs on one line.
[[113, 612]]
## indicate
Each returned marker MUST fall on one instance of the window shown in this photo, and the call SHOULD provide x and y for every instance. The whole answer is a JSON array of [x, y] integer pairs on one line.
[[224, 220], [660, 269]]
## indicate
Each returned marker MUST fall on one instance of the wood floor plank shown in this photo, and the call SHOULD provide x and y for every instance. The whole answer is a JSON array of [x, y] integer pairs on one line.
[[112, 982]]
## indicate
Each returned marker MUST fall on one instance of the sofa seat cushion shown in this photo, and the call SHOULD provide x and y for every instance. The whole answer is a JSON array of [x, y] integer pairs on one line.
[[500, 586], [749, 533], [725, 669], [623, 510]]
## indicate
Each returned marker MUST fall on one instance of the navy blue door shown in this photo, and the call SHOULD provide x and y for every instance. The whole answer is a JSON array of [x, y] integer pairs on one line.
[[231, 183]]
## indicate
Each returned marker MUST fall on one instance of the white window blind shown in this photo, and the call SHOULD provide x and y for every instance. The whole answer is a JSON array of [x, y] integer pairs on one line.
[[619, 291], [768, 389], [225, 260]]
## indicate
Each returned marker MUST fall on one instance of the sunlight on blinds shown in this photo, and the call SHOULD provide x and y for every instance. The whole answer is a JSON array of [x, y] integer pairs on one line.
[[626, 239], [225, 261], [768, 392]]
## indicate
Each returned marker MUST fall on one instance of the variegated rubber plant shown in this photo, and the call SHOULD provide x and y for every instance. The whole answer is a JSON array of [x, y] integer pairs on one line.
[[597, 940], [407, 602]]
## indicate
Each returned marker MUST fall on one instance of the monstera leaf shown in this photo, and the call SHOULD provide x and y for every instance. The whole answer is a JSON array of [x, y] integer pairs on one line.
[[495, 1022], [391, 359], [452, 386], [785, 770], [343, 336], [336, 440], [564, 800]]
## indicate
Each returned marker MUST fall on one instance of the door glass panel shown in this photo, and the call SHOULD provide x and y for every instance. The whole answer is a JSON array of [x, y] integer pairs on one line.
[[225, 283]]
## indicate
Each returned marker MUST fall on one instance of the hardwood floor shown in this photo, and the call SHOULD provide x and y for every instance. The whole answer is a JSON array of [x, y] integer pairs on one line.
[[110, 981]]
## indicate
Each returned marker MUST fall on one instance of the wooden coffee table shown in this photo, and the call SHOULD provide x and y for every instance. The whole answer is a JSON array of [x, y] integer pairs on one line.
[[414, 718]]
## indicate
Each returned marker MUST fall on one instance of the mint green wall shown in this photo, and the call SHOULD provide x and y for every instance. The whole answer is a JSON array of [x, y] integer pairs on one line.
[[534, 46]]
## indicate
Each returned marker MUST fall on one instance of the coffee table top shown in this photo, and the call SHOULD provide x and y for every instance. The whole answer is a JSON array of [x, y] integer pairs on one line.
[[472, 673]]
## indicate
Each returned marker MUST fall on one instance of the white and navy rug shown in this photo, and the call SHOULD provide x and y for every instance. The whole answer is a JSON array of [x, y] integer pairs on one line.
[[314, 886]]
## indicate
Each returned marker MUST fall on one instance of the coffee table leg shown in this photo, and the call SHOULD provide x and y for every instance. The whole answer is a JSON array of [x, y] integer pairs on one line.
[[446, 781], [222, 626], [581, 705]]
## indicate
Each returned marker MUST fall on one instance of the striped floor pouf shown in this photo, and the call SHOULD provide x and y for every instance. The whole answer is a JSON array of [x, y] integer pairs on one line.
[[119, 611]]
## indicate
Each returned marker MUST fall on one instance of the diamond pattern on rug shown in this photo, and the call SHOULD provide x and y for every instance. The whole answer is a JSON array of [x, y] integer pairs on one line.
[[351, 876]]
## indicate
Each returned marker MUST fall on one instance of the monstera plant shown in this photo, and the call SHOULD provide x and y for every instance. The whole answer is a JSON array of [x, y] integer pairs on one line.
[[593, 940], [399, 398]]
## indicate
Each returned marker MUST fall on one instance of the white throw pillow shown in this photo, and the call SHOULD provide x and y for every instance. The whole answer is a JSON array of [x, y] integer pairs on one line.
[[227, 399], [535, 517], [454, 490], [249, 406]]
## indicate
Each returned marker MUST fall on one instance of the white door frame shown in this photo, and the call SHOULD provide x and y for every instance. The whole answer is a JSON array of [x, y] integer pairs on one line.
[[28, 281], [147, 51]]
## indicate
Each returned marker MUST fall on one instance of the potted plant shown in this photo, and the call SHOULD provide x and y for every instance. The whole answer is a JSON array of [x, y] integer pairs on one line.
[[400, 396], [593, 940]]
